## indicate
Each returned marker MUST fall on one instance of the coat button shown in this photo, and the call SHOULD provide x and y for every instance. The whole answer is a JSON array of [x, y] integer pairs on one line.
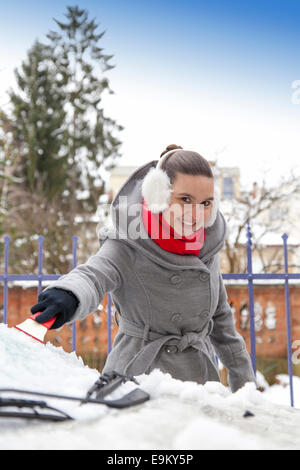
[[176, 317], [175, 279], [171, 349], [204, 276]]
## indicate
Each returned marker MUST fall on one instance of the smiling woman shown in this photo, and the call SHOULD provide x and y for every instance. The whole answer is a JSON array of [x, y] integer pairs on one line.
[[184, 190], [190, 211], [168, 291]]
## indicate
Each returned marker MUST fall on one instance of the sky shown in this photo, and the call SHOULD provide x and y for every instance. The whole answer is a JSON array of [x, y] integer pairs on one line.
[[220, 77]]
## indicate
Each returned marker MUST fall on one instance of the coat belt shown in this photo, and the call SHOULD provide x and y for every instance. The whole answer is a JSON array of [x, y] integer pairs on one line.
[[144, 358]]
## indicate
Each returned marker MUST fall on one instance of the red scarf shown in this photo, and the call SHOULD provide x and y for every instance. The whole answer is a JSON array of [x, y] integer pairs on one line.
[[165, 236]]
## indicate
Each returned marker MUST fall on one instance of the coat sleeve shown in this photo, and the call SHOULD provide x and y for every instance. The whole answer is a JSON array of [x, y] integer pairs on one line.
[[229, 345], [90, 281]]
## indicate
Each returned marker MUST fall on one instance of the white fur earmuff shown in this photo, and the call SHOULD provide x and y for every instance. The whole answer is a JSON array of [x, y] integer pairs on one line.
[[157, 189]]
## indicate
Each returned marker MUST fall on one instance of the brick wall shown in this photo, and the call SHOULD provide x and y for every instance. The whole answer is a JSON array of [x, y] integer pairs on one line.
[[92, 332], [270, 313]]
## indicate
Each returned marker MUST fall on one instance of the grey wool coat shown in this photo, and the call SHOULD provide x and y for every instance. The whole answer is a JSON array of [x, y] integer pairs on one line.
[[173, 309]]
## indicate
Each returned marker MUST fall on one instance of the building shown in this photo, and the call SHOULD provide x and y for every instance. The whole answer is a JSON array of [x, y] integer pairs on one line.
[[228, 179], [268, 249]]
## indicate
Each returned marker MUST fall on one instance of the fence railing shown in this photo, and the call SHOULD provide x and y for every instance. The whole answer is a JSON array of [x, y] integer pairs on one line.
[[40, 277], [248, 276]]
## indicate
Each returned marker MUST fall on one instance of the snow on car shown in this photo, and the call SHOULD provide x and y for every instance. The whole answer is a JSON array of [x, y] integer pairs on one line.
[[179, 415]]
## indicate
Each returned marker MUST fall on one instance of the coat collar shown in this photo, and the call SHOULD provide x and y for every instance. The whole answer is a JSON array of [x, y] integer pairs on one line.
[[130, 197]]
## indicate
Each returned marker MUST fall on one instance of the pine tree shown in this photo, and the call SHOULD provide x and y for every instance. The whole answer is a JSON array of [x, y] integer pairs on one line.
[[59, 118], [39, 117], [62, 139], [92, 143]]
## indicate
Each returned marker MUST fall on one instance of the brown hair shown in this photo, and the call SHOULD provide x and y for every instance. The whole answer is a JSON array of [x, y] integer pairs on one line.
[[185, 161]]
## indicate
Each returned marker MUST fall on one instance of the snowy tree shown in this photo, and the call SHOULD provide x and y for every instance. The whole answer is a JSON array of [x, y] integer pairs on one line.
[[9, 158], [267, 208], [37, 114], [92, 141], [58, 140]]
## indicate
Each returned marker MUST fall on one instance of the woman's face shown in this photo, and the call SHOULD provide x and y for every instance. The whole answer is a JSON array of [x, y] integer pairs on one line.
[[191, 203]]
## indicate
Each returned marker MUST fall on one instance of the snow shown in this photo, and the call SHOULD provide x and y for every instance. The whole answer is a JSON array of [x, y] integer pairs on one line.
[[258, 282], [179, 415]]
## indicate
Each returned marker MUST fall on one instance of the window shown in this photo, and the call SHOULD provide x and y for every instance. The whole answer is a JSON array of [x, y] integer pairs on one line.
[[278, 213], [228, 191]]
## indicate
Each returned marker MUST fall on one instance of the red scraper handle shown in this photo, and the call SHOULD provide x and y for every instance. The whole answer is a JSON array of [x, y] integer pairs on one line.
[[47, 324]]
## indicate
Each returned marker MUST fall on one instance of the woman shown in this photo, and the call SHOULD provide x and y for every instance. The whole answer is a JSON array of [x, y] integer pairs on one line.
[[160, 261]]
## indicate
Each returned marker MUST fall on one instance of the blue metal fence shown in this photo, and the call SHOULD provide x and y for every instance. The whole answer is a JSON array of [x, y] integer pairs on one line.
[[249, 276], [40, 277]]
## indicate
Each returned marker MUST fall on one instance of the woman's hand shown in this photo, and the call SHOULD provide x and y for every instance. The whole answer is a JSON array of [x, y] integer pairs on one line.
[[55, 302]]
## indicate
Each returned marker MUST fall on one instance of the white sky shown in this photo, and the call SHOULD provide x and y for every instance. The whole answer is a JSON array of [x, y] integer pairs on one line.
[[252, 137], [157, 110]]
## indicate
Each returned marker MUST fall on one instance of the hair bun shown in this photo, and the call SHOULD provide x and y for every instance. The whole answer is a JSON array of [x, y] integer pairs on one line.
[[170, 147]]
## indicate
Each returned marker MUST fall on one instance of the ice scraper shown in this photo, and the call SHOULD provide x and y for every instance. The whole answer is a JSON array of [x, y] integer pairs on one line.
[[34, 329]]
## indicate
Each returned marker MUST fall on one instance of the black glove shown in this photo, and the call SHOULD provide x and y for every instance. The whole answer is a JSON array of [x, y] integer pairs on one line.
[[55, 301]]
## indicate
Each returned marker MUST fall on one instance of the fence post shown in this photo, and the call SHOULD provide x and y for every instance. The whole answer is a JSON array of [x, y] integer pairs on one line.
[[288, 317], [5, 292], [251, 298], [74, 332]]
